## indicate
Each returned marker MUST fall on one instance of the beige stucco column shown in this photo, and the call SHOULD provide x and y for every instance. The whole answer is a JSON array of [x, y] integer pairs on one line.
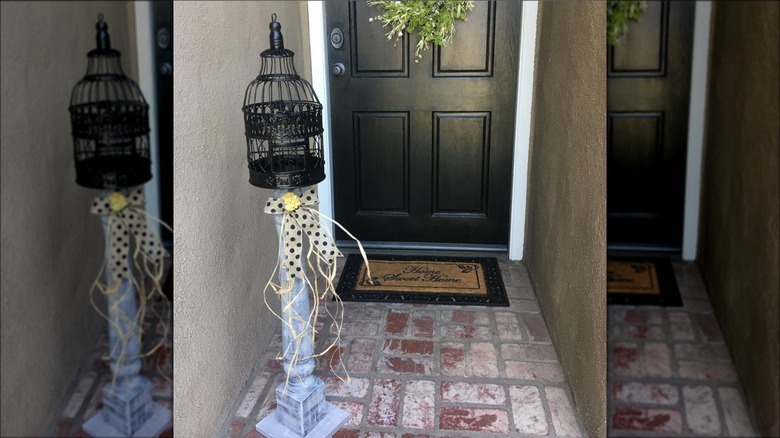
[[566, 227]]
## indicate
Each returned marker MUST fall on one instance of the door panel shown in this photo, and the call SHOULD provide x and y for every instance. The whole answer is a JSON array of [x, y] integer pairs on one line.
[[635, 155], [476, 38], [648, 81], [423, 150], [644, 52], [382, 151], [371, 52], [461, 151]]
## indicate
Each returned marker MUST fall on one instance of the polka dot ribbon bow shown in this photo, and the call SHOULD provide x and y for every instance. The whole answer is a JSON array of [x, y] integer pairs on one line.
[[301, 220], [126, 221]]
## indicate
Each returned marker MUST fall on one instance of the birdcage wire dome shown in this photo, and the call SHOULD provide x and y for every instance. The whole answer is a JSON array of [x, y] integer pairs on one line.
[[283, 122], [109, 121]]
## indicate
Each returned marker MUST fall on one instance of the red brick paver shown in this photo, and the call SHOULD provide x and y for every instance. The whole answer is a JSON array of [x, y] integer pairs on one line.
[[386, 397], [453, 360], [474, 419], [528, 410]]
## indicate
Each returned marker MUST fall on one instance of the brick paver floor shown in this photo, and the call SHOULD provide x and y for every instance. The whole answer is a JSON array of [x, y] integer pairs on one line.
[[670, 373], [434, 371], [85, 396]]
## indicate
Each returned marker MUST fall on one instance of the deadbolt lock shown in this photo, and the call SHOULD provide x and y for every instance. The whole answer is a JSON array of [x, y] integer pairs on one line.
[[336, 38]]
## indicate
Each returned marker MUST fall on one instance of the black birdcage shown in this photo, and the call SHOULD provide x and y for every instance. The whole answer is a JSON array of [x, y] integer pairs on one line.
[[283, 122], [110, 122]]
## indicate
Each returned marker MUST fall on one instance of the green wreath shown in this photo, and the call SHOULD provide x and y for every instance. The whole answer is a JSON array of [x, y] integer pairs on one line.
[[434, 20]]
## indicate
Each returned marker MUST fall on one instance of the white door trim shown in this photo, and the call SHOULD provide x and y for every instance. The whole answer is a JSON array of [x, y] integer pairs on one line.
[[147, 82], [319, 67], [696, 121], [523, 107], [318, 47]]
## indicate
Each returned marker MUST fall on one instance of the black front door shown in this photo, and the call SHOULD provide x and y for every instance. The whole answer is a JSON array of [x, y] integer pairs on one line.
[[422, 151], [648, 83], [162, 26]]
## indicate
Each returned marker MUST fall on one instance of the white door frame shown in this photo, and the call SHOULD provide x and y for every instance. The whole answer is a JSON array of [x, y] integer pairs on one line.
[[696, 122], [318, 42], [147, 80]]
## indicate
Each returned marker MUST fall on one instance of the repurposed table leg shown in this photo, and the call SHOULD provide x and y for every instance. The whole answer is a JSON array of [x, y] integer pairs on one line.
[[128, 409], [302, 410]]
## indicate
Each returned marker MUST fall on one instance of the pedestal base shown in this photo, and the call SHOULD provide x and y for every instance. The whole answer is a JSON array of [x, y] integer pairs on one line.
[[129, 412], [330, 424], [154, 426]]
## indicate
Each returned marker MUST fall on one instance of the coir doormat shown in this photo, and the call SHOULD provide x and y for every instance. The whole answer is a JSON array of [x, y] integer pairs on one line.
[[638, 281], [420, 279]]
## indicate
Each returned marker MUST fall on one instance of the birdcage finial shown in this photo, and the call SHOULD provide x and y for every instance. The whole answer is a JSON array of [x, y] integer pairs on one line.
[[103, 40], [277, 41]]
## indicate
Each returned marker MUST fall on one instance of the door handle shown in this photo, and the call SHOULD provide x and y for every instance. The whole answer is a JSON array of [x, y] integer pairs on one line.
[[166, 69], [338, 69], [336, 38]]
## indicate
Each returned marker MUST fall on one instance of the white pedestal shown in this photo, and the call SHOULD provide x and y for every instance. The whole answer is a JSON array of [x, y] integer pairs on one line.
[[301, 409], [334, 419], [128, 408]]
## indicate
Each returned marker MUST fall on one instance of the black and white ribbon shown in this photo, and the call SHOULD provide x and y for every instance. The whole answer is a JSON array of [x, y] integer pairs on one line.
[[302, 221], [126, 224]]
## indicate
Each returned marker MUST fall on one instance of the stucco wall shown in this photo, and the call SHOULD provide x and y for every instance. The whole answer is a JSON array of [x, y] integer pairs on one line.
[[52, 246], [566, 226], [740, 231], [224, 244]]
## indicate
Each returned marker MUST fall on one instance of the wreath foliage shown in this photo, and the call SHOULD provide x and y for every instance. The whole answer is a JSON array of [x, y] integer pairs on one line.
[[619, 13], [434, 20]]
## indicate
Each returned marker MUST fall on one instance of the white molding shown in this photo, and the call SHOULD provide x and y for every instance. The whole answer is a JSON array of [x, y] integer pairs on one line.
[[696, 116], [523, 107], [319, 70], [148, 84]]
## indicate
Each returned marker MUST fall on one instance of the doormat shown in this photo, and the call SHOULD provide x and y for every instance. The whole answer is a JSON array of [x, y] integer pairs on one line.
[[642, 281], [421, 279]]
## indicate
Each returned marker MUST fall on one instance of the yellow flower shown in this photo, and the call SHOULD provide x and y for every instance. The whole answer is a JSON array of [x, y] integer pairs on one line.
[[291, 201], [117, 201]]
